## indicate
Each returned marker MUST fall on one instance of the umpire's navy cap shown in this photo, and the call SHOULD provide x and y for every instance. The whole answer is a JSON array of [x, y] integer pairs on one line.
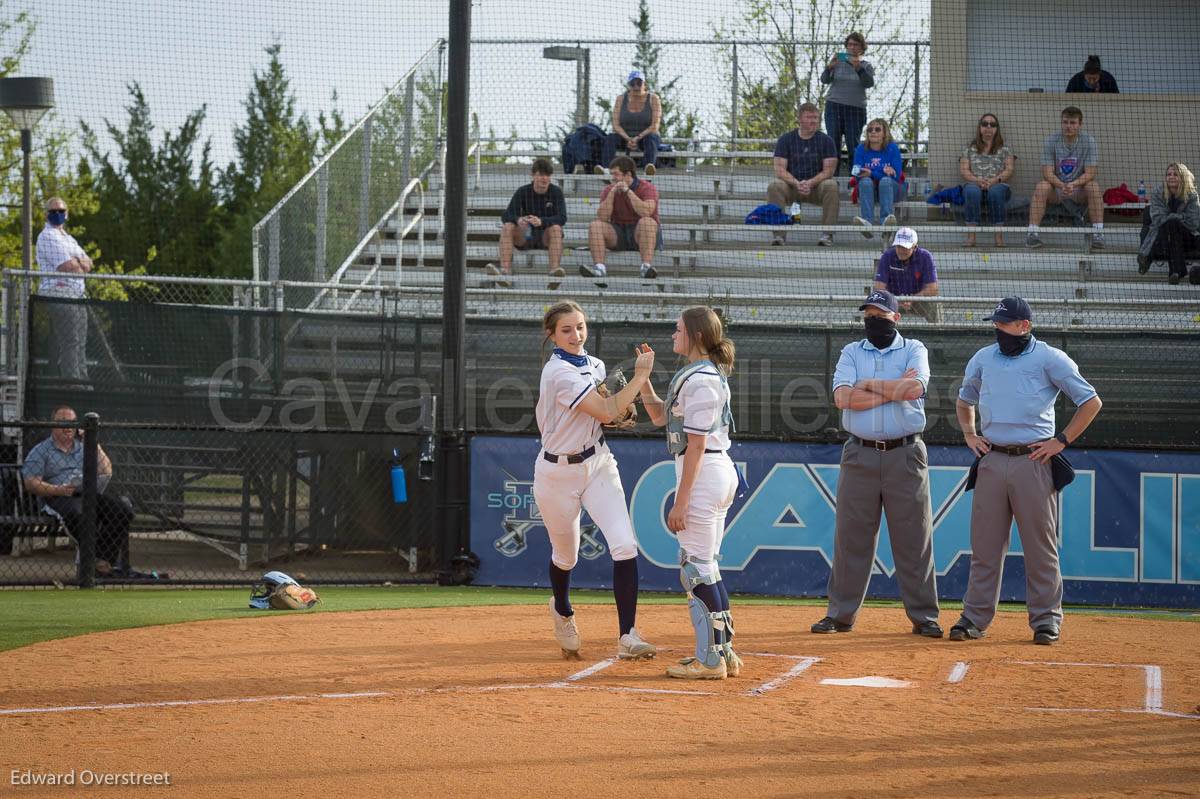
[[883, 300], [1010, 309]]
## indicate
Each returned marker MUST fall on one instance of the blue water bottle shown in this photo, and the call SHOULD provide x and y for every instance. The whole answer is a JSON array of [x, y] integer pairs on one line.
[[399, 485]]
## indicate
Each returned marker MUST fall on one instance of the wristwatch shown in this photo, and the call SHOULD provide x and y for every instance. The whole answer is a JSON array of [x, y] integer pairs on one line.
[[1061, 437]]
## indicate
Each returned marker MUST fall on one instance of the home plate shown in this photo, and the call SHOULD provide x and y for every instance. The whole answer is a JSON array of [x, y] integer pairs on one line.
[[868, 682]]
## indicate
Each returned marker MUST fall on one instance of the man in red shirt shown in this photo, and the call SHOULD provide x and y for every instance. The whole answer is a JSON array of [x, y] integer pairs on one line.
[[627, 219]]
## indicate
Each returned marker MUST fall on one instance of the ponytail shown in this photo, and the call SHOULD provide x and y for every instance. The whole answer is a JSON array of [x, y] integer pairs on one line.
[[706, 332]]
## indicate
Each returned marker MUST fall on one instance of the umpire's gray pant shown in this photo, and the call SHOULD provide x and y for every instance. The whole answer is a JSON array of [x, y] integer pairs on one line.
[[1008, 486], [68, 331], [897, 481]]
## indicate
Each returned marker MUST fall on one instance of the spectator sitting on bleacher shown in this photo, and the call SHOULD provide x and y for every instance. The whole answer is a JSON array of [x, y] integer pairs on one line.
[[1171, 225], [635, 118], [1092, 79], [534, 219], [849, 77], [53, 471], [907, 270], [627, 219], [1069, 160], [805, 160], [986, 165], [877, 168]]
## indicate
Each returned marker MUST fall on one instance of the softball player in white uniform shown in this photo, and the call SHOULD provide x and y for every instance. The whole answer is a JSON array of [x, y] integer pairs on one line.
[[698, 419], [575, 471]]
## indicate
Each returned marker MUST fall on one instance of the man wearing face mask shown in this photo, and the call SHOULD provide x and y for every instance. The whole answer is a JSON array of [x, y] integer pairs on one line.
[[1015, 383], [59, 255], [879, 384]]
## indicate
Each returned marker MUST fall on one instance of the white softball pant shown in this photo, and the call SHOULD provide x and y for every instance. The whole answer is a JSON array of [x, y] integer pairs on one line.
[[712, 495], [562, 490]]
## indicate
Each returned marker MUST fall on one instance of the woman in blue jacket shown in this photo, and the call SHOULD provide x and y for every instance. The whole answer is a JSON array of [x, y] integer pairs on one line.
[[877, 166]]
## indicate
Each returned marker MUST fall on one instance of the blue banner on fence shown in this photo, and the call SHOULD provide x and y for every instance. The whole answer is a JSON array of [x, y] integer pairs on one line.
[[1129, 531]]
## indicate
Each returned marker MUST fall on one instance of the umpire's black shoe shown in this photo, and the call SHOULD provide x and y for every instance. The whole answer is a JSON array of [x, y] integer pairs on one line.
[[1045, 636], [828, 625], [965, 630], [929, 629]]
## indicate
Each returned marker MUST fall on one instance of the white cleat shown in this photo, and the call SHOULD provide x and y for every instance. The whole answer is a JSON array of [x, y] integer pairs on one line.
[[733, 663], [630, 646], [566, 633], [692, 669]]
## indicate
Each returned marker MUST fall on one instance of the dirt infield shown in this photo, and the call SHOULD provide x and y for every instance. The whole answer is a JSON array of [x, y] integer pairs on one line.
[[478, 702]]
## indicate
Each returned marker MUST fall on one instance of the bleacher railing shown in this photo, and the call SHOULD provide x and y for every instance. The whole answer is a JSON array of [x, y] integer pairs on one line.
[[354, 188]]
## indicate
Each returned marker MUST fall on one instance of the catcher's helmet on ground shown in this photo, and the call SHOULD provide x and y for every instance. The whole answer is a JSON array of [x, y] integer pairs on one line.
[[260, 594]]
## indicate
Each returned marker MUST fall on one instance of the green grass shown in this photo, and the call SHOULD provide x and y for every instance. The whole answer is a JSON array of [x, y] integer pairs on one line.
[[29, 616]]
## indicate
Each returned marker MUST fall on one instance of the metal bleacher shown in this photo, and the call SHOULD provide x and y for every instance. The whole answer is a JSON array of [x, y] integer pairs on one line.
[[710, 256]]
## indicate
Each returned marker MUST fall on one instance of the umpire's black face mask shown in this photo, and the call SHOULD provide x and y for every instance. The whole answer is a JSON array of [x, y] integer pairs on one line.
[[1011, 345]]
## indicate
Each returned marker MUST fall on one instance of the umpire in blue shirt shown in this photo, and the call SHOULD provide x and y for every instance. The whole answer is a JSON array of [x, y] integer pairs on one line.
[[1015, 383], [880, 385]]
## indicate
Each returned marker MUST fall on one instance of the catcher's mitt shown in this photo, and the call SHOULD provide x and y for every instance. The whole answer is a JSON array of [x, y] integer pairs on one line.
[[627, 417], [293, 597]]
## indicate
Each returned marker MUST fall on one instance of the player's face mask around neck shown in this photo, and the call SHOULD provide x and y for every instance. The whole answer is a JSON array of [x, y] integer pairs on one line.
[[881, 331]]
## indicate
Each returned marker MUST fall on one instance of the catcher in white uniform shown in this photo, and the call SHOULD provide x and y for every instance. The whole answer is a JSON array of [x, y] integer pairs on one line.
[[576, 471], [698, 418]]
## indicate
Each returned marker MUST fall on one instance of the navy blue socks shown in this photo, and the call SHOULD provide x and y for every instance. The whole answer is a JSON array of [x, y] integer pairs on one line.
[[560, 583], [625, 591]]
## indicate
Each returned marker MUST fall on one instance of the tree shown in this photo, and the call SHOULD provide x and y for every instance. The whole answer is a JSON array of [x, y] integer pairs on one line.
[[275, 148], [156, 202], [796, 39], [677, 121]]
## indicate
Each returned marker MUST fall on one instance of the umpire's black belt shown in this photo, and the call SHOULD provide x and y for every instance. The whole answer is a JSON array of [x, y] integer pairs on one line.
[[1015, 450], [573, 459], [884, 446]]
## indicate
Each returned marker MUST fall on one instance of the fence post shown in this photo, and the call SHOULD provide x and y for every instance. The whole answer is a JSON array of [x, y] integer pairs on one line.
[[916, 109], [733, 83], [273, 248], [364, 197], [319, 264], [87, 524], [409, 91]]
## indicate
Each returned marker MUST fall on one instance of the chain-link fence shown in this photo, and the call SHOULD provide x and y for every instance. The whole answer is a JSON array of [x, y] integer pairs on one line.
[[323, 224], [196, 505], [235, 367]]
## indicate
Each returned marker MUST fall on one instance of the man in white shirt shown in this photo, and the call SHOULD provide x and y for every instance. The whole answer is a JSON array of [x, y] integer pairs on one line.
[[59, 255]]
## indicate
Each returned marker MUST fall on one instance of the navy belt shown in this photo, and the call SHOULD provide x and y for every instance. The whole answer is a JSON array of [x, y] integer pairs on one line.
[[578, 458], [884, 446]]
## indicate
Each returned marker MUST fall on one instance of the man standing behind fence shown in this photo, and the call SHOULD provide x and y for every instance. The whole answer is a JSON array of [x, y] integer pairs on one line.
[[59, 255], [805, 160]]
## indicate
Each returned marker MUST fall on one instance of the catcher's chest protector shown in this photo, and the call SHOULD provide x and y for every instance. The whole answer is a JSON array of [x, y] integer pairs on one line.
[[677, 440]]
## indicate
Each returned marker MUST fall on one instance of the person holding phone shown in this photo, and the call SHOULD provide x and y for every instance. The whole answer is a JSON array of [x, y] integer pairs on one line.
[[848, 76]]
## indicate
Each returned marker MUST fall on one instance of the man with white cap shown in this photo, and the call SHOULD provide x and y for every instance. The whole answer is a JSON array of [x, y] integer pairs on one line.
[[1015, 383], [880, 385], [907, 270]]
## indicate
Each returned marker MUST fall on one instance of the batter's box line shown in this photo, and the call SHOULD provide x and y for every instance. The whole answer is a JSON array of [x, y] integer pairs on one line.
[[802, 663], [1151, 704]]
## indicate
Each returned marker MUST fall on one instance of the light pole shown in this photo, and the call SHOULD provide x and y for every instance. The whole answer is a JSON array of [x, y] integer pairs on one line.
[[25, 100], [582, 57]]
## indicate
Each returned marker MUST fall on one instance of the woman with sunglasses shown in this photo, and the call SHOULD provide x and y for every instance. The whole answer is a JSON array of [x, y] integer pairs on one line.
[[986, 165], [877, 167], [848, 76]]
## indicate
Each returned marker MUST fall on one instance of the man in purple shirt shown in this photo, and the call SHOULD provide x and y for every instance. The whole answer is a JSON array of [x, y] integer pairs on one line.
[[907, 270]]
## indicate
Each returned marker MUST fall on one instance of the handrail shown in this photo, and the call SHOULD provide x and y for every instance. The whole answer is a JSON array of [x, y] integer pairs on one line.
[[413, 185], [357, 125]]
